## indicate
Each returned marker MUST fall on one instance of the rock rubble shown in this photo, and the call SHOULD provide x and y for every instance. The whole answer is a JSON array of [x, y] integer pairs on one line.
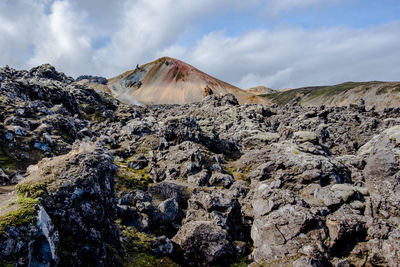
[[208, 183]]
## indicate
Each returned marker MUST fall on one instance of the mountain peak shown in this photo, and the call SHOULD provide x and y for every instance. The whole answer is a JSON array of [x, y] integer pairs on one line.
[[171, 81]]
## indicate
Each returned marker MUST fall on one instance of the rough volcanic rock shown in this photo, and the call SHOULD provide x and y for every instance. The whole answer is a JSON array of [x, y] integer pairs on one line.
[[203, 243], [33, 241], [227, 183], [382, 172], [76, 190], [162, 246], [178, 130], [219, 207], [282, 225], [346, 228]]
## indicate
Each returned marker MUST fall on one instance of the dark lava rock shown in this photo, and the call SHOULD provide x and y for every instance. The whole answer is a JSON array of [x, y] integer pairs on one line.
[[203, 244], [138, 164], [181, 129], [92, 79], [292, 185], [162, 246], [76, 190]]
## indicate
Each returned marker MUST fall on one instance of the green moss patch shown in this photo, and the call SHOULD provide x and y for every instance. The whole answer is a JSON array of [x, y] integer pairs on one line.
[[388, 89], [136, 246], [128, 179], [230, 156], [10, 163], [90, 113], [24, 214], [32, 190], [232, 171], [242, 262], [7, 162], [282, 98]]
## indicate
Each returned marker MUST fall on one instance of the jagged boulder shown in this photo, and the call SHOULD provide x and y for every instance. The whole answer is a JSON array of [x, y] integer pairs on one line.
[[167, 217], [220, 207], [47, 71], [76, 190], [282, 225], [346, 228], [178, 130], [203, 243], [28, 236], [382, 172], [166, 190]]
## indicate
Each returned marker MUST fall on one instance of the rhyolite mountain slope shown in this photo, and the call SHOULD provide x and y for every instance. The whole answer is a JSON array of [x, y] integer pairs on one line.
[[171, 81], [97, 182], [379, 94]]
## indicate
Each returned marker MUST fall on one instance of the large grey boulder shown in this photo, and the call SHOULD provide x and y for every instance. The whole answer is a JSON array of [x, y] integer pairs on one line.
[[138, 199], [77, 192], [346, 228], [130, 216], [178, 130], [162, 246], [282, 225], [220, 207], [382, 172], [32, 243], [296, 168], [203, 244], [221, 179], [167, 217], [199, 179], [166, 190]]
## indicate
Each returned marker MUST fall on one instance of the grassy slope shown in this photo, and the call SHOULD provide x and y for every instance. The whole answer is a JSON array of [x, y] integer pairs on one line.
[[303, 95]]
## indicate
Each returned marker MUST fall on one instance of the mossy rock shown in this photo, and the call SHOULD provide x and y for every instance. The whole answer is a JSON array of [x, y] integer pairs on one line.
[[128, 179], [230, 156], [32, 190], [241, 262], [137, 252], [37, 187], [23, 212], [238, 176], [7, 162]]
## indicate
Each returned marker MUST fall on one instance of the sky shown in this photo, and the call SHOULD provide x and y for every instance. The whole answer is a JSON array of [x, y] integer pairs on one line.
[[274, 43]]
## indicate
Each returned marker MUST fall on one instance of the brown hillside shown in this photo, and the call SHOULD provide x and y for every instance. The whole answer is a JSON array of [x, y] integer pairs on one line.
[[171, 81]]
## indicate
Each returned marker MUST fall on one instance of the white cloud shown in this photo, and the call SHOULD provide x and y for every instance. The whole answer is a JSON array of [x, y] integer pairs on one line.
[[106, 38], [276, 6], [293, 57], [63, 40], [148, 27], [18, 21]]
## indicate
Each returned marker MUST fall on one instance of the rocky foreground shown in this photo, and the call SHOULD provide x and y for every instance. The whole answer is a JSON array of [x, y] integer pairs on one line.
[[103, 183]]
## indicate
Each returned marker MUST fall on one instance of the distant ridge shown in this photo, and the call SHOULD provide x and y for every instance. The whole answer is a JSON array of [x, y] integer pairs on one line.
[[171, 81], [375, 93], [261, 90]]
